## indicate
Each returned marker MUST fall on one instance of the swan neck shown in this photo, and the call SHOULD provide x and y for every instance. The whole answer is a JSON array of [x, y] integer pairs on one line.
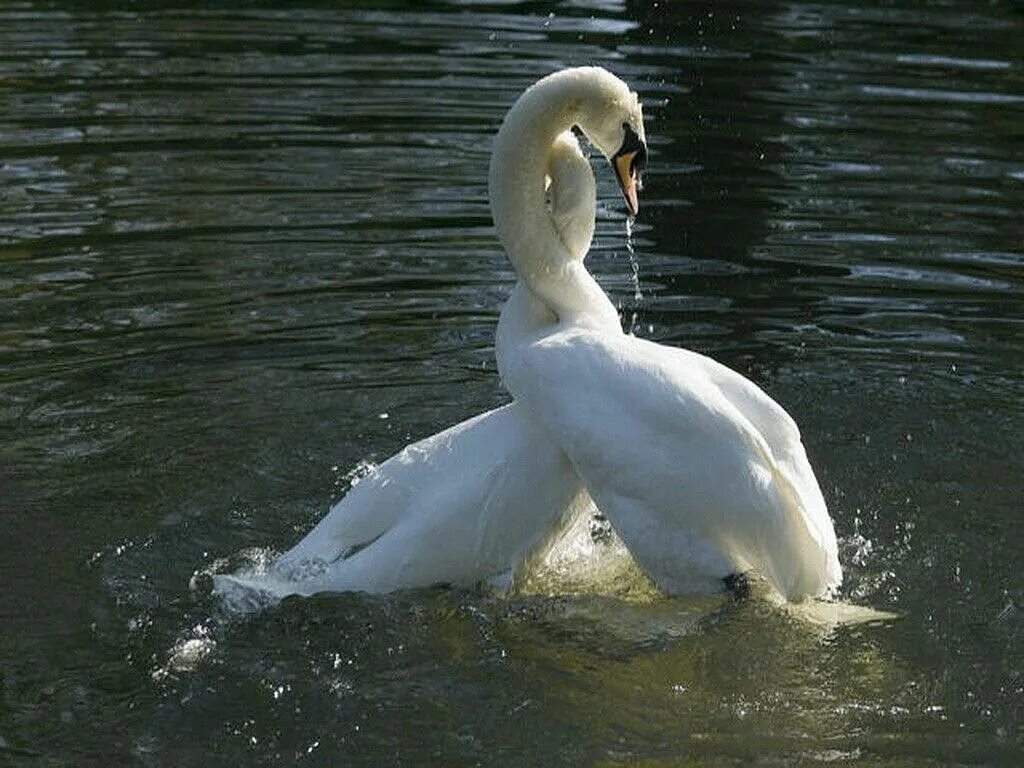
[[520, 163]]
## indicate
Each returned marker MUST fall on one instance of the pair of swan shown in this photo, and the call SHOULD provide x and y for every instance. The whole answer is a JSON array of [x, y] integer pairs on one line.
[[700, 472]]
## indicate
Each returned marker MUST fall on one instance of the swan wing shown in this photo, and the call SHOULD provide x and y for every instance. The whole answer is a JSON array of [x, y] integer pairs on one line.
[[670, 449], [782, 436], [386, 495], [459, 507]]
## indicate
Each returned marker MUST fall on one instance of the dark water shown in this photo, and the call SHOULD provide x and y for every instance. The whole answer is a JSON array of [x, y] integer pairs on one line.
[[243, 250]]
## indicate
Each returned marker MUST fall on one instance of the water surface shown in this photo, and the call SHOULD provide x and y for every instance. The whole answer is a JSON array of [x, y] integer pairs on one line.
[[242, 251]]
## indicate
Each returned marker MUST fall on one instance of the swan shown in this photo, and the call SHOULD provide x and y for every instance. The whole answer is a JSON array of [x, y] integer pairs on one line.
[[701, 473], [467, 505]]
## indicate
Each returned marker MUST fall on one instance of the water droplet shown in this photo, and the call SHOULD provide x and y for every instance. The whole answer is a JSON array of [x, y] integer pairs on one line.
[[633, 265]]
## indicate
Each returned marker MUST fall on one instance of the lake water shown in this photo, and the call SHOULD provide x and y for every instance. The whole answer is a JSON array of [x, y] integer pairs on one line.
[[244, 251]]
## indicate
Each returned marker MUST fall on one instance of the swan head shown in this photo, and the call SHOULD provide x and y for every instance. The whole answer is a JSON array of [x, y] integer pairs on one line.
[[610, 116]]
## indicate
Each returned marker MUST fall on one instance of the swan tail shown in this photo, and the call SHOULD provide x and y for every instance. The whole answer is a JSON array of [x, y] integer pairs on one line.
[[809, 565]]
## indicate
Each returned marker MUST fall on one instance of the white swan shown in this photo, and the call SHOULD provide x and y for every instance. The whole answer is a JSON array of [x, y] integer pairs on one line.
[[463, 506], [701, 473]]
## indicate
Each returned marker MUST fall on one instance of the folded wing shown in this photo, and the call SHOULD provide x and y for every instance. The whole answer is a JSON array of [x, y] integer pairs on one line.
[[702, 474]]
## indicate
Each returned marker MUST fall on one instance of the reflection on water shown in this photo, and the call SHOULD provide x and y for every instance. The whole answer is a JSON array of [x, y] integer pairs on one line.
[[242, 251]]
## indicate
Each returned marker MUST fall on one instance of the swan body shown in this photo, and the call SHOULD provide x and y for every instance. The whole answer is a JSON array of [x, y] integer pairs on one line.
[[701, 473]]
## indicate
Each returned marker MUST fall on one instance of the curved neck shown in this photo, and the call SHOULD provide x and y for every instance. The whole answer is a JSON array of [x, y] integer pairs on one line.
[[546, 247]]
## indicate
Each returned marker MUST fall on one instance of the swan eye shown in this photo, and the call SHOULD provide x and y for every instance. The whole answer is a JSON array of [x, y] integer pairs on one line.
[[632, 145]]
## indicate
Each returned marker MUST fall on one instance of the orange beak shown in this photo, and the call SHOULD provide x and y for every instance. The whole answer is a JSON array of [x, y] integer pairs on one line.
[[628, 174]]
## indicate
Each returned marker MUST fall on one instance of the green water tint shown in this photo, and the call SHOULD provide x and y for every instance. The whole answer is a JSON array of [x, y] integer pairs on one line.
[[242, 251]]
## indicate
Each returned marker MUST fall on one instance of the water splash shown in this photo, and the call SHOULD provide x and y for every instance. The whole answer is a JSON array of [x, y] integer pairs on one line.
[[634, 278], [584, 556], [633, 265], [195, 645]]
